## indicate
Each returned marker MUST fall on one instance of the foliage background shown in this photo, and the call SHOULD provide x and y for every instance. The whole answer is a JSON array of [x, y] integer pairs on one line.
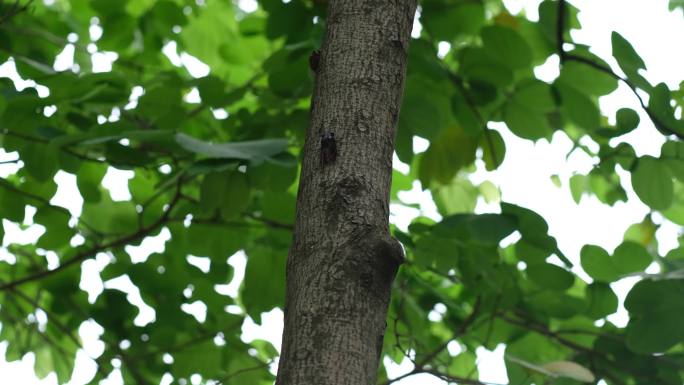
[[194, 191]]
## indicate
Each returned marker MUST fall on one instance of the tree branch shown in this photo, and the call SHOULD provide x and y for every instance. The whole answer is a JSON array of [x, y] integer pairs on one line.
[[560, 29], [53, 318], [564, 56], [9, 186], [420, 365], [98, 248], [14, 10]]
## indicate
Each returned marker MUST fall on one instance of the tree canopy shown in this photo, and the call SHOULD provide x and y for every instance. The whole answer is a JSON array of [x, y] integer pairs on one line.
[[215, 159]]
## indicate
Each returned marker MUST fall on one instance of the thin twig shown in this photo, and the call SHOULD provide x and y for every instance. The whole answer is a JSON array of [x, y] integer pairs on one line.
[[560, 30], [238, 372], [14, 10], [564, 56], [142, 232]]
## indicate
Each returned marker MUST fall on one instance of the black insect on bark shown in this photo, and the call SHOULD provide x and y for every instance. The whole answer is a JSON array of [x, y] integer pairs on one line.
[[314, 59], [328, 148]]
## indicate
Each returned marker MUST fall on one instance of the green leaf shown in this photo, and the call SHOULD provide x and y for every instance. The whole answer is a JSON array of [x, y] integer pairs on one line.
[[279, 207], [41, 161], [452, 150], [111, 217], [526, 123], [420, 116], [506, 46], [274, 176], [458, 196], [672, 153], [626, 120], [556, 304], [213, 189], [571, 370], [587, 79], [493, 149], [236, 195], [598, 264], [535, 95], [626, 56], [578, 185], [444, 22], [438, 252], [57, 231], [88, 181], [580, 108], [264, 284], [550, 276], [602, 300], [631, 257], [657, 315], [11, 203], [478, 64], [652, 183], [205, 358], [256, 150]]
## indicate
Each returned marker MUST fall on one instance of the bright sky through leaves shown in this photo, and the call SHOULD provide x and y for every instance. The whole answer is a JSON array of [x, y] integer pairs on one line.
[[525, 178]]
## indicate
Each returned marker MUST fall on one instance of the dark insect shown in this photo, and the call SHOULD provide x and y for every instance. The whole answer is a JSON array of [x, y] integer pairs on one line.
[[314, 59], [328, 148]]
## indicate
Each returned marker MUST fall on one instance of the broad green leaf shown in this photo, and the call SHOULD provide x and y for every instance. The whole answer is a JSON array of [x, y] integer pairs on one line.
[[631, 257], [652, 182], [41, 161], [602, 300], [550, 276], [452, 150], [291, 78], [110, 217], [675, 212], [556, 304], [420, 116], [672, 153], [580, 108], [526, 123], [458, 196], [57, 231], [587, 79], [571, 370], [657, 315], [493, 149], [88, 181], [12, 203], [213, 189], [627, 57], [279, 207], [506, 46], [437, 252], [264, 284], [535, 95], [479, 64], [444, 22], [256, 150], [578, 185], [204, 357], [598, 264], [236, 195], [626, 120]]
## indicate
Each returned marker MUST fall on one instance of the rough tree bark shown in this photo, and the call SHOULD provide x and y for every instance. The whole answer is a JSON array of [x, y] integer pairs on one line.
[[343, 260]]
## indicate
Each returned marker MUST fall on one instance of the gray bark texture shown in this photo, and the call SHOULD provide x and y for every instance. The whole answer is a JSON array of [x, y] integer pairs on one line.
[[343, 261]]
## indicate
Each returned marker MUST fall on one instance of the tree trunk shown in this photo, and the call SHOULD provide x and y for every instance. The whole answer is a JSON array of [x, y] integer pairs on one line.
[[343, 260]]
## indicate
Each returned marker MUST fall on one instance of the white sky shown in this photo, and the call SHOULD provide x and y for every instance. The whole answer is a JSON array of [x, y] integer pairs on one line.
[[524, 179]]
